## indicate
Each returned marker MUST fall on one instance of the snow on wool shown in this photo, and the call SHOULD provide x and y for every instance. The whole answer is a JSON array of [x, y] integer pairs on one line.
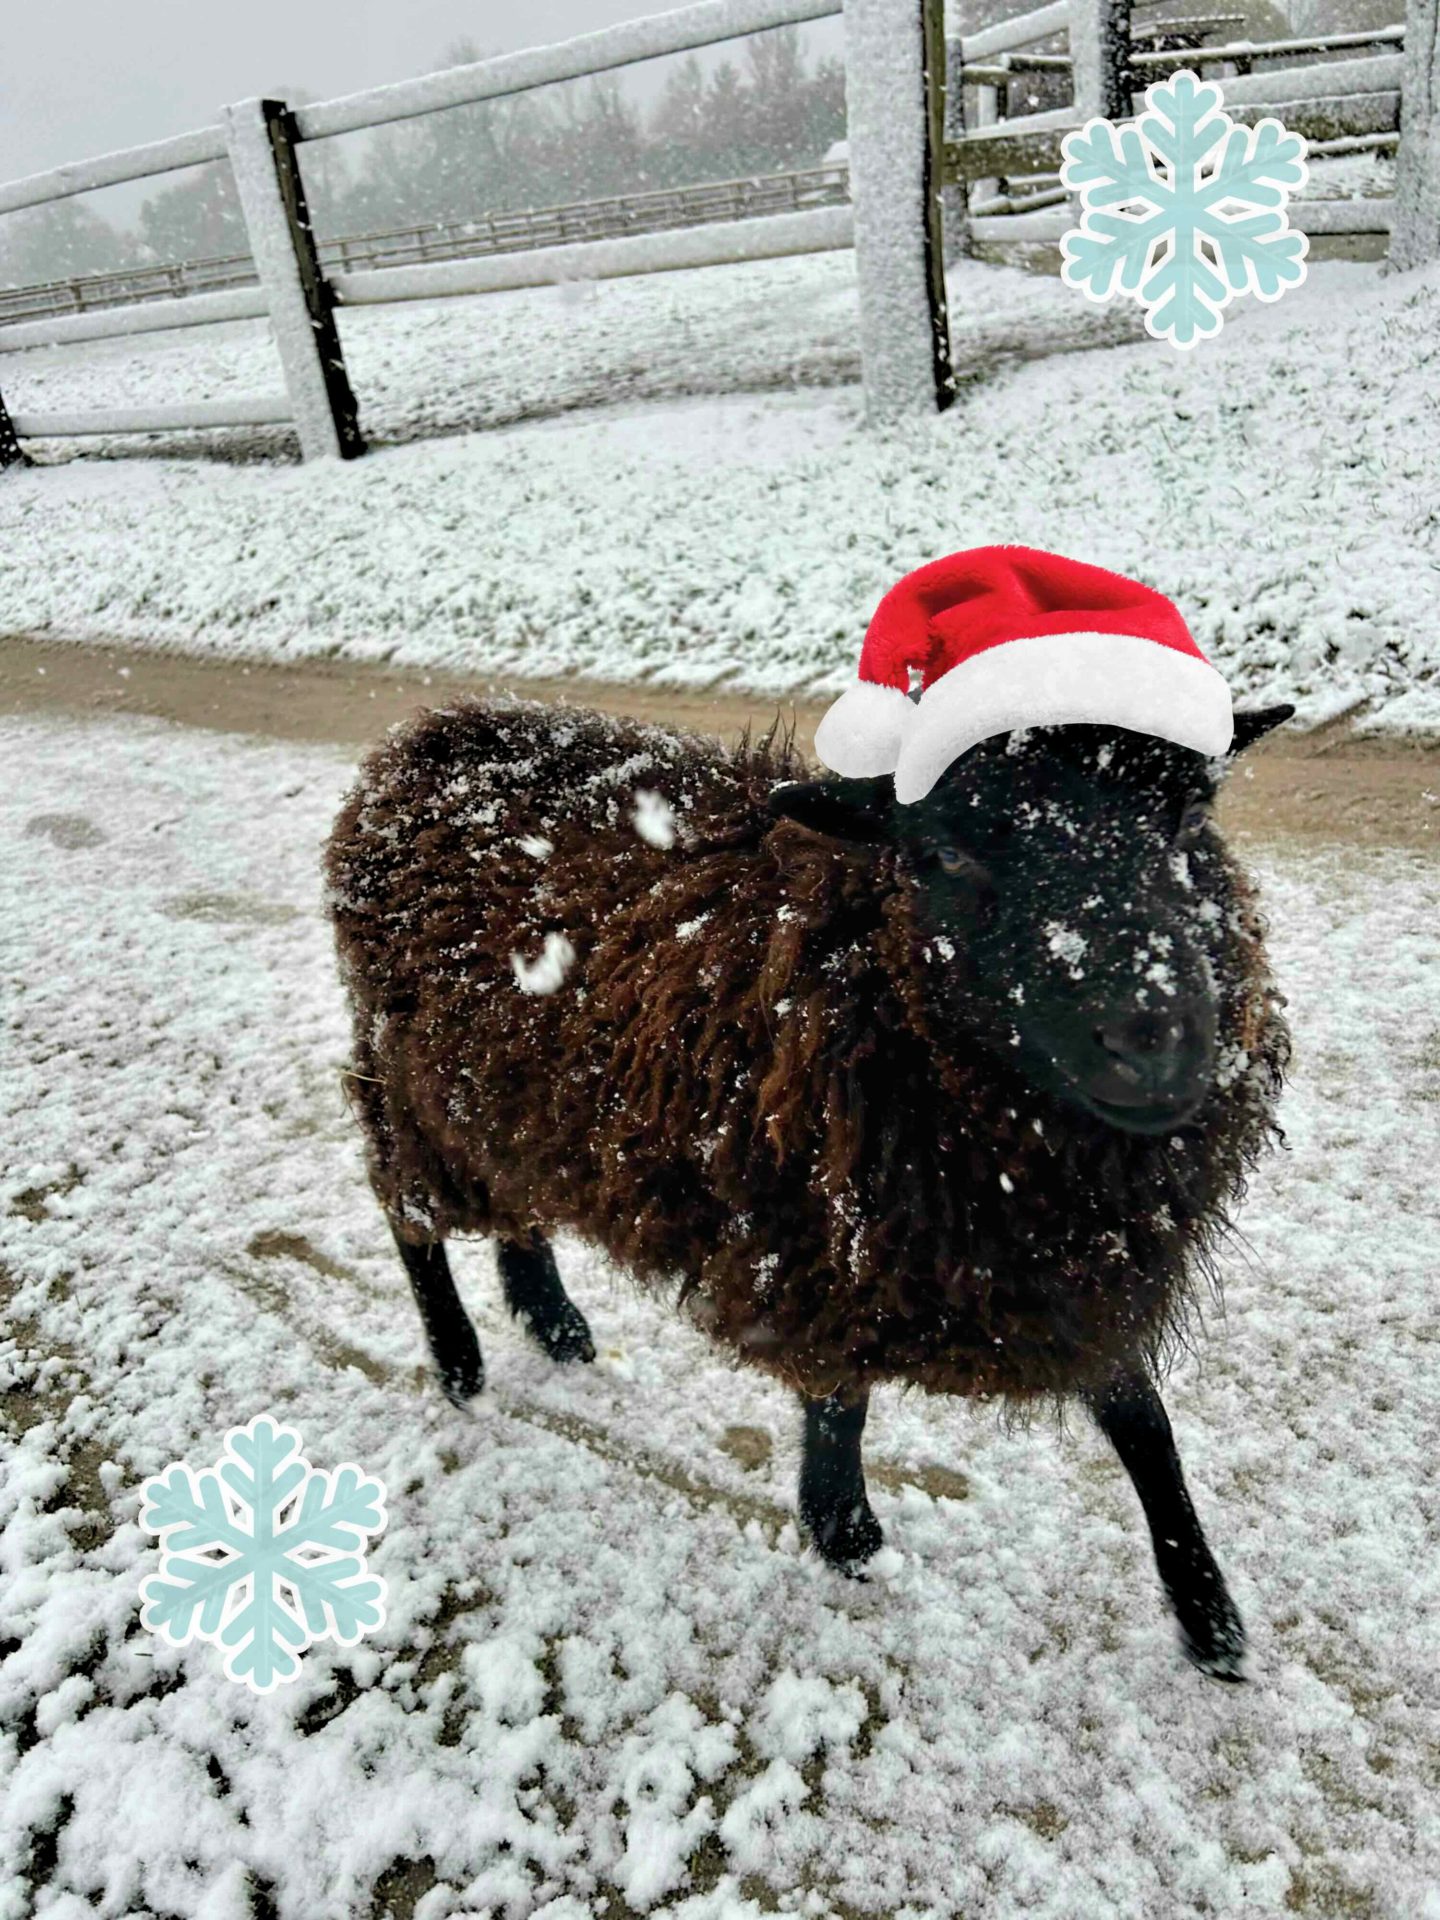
[[654, 819], [587, 1590], [1067, 945], [547, 973]]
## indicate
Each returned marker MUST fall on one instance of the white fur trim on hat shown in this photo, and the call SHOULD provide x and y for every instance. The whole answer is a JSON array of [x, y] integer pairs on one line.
[[861, 734], [1056, 680]]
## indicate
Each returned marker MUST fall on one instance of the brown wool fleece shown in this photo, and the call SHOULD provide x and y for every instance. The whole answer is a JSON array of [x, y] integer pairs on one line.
[[737, 1090]]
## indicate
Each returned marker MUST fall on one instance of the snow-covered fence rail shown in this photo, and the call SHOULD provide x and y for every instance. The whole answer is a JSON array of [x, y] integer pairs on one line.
[[618, 215], [258, 140], [153, 316], [1242, 54], [648, 38], [981, 67], [114, 169], [155, 419], [825, 230], [1003, 189], [1018, 31], [123, 287], [895, 64]]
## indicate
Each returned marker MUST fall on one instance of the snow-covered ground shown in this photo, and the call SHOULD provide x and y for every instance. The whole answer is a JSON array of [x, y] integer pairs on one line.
[[609, 1679], [1367, 175], [675, 483]]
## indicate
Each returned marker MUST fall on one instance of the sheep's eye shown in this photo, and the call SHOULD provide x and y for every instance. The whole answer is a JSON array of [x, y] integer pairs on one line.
[[1192, 823], [952, 861]]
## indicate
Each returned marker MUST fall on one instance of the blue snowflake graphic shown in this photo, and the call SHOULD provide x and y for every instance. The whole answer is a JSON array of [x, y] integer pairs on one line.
[[262, 1554], [1183, 209]]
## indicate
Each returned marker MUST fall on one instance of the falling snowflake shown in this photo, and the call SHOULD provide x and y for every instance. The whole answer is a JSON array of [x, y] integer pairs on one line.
[[1184, 208], [262, 1554]]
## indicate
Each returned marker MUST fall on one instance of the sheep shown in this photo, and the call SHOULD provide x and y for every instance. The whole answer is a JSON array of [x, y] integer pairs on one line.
[[958, 1094]]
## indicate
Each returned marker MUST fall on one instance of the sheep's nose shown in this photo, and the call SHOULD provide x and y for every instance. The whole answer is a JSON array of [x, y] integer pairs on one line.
[[1150, 1052], [1145, 1041]]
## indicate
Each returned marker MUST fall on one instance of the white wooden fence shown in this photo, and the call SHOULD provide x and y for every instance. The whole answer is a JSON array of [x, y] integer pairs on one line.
[[518, 231], [1007, 195], [260, 140], [908, 137]]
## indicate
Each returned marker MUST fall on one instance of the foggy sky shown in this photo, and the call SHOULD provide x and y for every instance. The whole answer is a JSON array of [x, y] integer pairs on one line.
[[82, 77]]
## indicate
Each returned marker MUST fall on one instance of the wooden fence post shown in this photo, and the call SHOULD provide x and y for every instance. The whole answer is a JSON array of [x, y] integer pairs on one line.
[[894, 105], [1415, 232], [955, 194], [1100, 58], [12, 454], [260, 136]]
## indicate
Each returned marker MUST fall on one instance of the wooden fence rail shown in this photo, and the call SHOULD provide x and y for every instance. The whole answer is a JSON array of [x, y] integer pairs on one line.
[[656, 212]]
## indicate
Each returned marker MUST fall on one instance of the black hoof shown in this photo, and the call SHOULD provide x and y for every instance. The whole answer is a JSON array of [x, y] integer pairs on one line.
[[845, 1539], [562, 1332], [461, 1384], [1212, 1637]]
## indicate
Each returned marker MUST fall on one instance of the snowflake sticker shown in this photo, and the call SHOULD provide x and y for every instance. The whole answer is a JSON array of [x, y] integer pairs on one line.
[[262, 1554], [1183, 209]]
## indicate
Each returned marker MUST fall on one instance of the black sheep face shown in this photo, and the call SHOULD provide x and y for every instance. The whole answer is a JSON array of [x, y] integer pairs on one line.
[[1081, 871], [1072, 905]]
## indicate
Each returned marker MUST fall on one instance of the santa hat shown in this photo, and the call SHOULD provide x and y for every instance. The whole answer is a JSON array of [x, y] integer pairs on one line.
[[1005, 637]]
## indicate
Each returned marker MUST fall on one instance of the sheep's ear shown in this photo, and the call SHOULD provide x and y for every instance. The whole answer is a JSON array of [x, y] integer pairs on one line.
[[839, 809], [1253, 726]]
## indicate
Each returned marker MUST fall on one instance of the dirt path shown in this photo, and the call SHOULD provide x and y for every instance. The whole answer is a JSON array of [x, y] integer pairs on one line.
[[1327, 785]]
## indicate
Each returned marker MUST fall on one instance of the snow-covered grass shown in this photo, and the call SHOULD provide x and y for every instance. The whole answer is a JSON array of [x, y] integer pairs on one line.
[[609, 1679], [452, 366], [684, 490], [1367, 175]]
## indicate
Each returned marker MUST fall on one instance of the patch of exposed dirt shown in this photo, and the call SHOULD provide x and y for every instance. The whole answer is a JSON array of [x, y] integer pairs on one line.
[[751, 1446], [941, 1483], [68, 830], [1331, 784], [228, 909]]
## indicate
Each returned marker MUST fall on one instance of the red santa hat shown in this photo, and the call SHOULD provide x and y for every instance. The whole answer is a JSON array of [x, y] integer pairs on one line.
[[1004, 637]]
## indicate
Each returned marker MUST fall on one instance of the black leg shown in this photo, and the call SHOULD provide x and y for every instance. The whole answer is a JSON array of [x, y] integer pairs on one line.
[[1131, 1416], [833, 1504], [453, 1345], [536, 1296]]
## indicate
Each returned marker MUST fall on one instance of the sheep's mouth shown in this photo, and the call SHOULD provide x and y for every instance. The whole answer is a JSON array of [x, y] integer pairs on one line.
[[1167, 1105], [1162, 1116]]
